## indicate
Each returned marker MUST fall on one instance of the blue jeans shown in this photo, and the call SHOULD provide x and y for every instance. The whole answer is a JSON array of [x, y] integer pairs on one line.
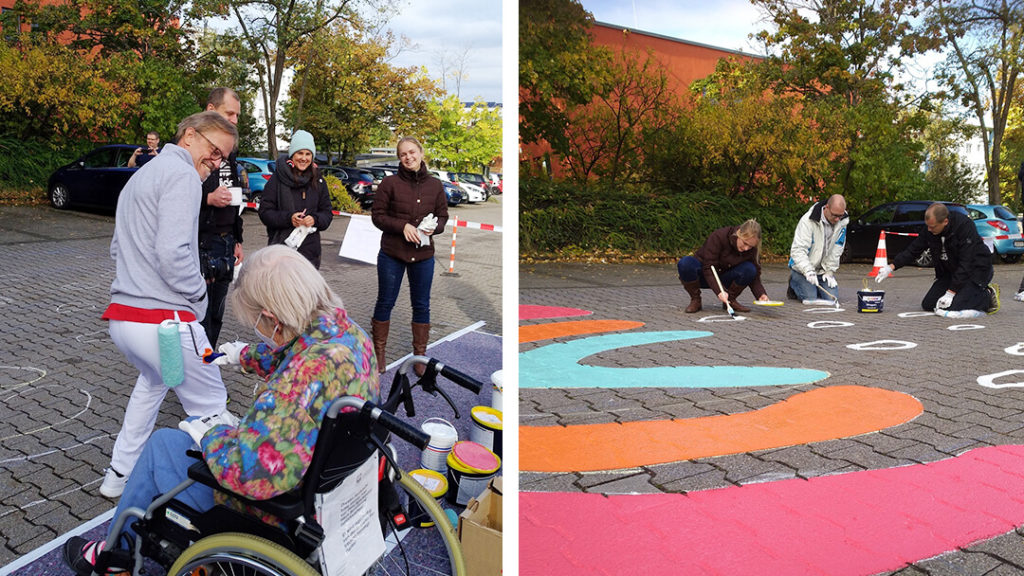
[[162, 466], [389, 282], [742, 274], [807, 291]]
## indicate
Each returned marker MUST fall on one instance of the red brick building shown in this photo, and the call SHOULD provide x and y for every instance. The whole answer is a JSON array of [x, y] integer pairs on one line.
[[683, 62]]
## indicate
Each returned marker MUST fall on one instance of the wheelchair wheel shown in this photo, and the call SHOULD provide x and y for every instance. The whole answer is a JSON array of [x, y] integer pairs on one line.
[[234, 553], [441, 522]]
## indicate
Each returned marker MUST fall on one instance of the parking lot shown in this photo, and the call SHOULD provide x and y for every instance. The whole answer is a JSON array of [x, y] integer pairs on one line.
[[665, 510], [64, 384]]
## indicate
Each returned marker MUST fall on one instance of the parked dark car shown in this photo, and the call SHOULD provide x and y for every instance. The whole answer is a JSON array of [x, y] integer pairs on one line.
[[94, 180], [359, 183], [455, 194], [901, 217]]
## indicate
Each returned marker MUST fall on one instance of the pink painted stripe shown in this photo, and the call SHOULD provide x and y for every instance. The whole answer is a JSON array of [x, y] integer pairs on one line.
[[858, 523], [534, 312]]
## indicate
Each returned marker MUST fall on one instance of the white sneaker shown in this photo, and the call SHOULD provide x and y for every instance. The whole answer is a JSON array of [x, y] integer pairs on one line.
[[1020, 296], [113, 484]]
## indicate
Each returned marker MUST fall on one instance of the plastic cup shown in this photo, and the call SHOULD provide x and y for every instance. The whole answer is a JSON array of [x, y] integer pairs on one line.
[[442, 437], [236, 195]]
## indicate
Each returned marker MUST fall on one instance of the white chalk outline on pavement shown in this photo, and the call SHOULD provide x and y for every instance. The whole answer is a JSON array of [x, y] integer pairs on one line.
[[42, 374], [832, 310], [109, 514], [956, 327], [878, 345], [988, 380], [722, 318], [88, 403], [829, 324], [1016, 350], [915, 314], [69, 307], [102, 333]]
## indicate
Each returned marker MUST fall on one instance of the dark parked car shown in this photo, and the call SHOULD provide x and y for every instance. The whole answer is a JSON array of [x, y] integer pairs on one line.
[[359, 183], [903, 217], [94, 180], [455, 194]]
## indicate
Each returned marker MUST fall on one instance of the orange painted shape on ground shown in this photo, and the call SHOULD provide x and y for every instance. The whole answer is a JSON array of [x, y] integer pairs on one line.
[[573, 328], [814, 416]]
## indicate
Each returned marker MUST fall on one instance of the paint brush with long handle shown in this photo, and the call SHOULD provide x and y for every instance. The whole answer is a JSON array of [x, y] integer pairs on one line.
[[722, 288], [834, 297]]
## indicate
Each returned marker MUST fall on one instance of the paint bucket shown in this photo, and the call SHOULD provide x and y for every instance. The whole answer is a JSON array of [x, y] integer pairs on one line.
[[442, 437], [497, 378], [870, 300], [470, 467], [486, 429], [433, 482]]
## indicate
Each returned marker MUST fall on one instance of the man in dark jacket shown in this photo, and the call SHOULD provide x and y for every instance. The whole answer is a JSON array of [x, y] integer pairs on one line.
[[220, 222], [963, 264]]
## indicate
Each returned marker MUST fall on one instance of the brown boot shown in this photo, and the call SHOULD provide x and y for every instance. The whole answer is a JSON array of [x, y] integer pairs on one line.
[[693, 289], [379, 331], [420, 338], [734, 291]]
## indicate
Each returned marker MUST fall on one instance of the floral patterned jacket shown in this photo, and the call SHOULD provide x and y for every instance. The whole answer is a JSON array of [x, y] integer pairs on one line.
[[272, 447]]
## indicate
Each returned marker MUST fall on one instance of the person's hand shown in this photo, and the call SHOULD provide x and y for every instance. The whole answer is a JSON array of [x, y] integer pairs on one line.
[[883, 273], [137, 152], [763, 298], [812, 278], [411, 233], [308, 221], [830, 280], [239, 254], [232, 352], [219, 198], [945, 301], [724, 297], [299, 219]]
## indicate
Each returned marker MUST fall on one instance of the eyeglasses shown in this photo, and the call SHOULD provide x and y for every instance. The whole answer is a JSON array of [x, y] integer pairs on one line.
[[217, 154]]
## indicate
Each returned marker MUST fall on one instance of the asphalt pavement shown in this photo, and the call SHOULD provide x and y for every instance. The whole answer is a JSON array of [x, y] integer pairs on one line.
[[64, 384], [942, 371]]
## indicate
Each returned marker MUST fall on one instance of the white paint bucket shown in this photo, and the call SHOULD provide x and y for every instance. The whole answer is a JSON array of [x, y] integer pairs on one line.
[[497, 379], [442, 437]]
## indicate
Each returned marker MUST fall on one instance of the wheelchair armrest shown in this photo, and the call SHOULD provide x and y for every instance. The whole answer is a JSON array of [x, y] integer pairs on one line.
[[288, 506]]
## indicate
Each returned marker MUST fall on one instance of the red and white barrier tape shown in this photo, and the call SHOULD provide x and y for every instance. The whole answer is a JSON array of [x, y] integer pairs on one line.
[[887, 233]]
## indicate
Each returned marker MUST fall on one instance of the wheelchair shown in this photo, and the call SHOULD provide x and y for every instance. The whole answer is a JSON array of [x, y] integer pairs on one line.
[[226, 541]]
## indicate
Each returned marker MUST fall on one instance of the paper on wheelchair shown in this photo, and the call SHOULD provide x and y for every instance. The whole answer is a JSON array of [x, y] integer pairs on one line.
[[348, 515]]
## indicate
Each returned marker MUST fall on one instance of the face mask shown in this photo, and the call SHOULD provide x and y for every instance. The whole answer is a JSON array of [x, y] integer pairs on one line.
[[268, 340]]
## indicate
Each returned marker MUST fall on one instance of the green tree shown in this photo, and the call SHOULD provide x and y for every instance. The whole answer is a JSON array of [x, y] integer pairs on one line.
[[348, 95], [273, 30], [982, 70], [946, 176], [559, 69], [465, 138]]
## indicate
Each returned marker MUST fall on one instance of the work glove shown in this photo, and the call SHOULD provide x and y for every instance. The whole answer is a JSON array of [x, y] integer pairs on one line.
[[883, 273], [231, 352], [428, 224], [198, 427], [830, 280], [945, 301], [298, 236], [812, 278]]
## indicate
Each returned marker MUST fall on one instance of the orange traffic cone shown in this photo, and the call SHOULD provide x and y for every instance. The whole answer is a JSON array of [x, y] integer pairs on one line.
[[881, 259]]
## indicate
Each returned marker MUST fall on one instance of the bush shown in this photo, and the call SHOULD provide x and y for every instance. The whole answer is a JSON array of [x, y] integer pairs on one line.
[[340, 198], [25, 167], [562, 220]]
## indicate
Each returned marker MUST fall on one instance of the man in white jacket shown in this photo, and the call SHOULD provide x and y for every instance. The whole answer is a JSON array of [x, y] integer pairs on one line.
[[817, 245]]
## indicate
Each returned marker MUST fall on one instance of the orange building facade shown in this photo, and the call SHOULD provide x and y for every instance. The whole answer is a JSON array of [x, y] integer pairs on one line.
[[683, 62]]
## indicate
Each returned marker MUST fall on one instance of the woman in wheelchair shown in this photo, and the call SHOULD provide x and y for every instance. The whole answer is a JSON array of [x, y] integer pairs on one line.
[[310, 354]]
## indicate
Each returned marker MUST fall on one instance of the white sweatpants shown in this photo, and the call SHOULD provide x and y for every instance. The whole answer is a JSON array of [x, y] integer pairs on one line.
[[202, 392]]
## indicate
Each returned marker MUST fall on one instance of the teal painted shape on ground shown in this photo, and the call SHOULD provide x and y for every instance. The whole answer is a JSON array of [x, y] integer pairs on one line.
[[557, 366]]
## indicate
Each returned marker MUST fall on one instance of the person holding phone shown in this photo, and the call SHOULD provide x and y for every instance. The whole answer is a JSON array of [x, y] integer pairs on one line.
[[143, 155]]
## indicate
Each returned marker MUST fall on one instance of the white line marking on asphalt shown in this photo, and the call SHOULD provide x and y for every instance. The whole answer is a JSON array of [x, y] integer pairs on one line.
[[956, 327], [989, 380], [85, 338], [88, 402], [882, 345], [41, 372], [915, 314], [829, 324], [57, 542], [1017, 349], [832, 310], [722, 318]]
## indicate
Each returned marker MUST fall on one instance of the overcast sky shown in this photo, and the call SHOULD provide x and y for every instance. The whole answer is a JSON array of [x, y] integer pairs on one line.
[[442, 30]]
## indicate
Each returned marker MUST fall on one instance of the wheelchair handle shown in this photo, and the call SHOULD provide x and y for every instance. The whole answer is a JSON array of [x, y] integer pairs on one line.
[[467, 382], [399, 427]]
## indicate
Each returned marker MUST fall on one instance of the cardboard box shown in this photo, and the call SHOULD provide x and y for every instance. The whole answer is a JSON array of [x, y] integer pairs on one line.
[[480, 532]]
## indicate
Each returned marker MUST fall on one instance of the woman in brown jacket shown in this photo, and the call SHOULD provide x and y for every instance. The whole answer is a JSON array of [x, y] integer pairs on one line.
[[401, 204], [734, 252]]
